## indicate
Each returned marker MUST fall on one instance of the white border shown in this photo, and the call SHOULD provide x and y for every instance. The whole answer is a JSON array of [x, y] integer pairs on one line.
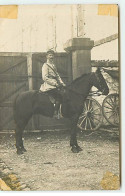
[[121, 4], [19, 2]]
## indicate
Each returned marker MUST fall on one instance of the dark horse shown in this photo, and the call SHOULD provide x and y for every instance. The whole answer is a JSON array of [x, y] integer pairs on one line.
[[32, 102]]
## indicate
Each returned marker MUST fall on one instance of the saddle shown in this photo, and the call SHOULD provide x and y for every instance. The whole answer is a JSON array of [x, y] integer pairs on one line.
[[53, 101], [51, 98]]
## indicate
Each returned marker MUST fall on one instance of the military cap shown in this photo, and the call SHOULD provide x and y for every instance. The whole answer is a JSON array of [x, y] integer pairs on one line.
[[50, 52]]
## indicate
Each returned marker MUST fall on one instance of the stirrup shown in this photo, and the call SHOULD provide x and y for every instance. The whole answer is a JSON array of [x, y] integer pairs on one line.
[[56, 116]]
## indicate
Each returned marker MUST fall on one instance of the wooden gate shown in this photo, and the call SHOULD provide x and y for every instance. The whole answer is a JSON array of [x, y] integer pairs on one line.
[[20, 72], [13, 80]]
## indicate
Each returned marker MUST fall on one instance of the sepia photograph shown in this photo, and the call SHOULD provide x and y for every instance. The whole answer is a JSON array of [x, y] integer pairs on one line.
[[59, 97]]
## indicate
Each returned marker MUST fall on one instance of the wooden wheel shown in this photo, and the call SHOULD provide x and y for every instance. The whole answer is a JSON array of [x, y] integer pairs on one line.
[[91, 118], [110, 109]]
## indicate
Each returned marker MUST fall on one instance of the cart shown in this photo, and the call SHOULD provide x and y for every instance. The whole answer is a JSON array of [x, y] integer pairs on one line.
[[93, 113], [110, 105]]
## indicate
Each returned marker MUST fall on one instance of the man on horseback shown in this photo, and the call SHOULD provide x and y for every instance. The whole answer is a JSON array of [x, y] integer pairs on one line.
[[52, 81]]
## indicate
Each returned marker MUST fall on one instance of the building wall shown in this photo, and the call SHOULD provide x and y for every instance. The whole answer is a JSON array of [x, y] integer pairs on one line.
[[39, 27], [35, 28], [98, 27]]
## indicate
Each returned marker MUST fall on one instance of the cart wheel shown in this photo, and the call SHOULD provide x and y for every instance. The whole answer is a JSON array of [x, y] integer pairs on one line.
[[110, 109], [91, 118]]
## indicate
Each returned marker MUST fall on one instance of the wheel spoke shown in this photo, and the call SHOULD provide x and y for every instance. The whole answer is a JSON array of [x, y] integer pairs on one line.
[[96, 118], [89, 104], [109, 103], [112, 100], [82, 121], [96, 114], [83, 110], [107, 107], [109, 112], [95, 110], [90, 123], [111, 115], [117, 118], [117, 115], [92, 120], [85, 123], [82, 116], [91, 109], [86, 106]]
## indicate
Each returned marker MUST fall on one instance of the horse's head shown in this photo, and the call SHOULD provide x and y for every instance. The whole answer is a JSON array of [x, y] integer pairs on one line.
[[100, 83]]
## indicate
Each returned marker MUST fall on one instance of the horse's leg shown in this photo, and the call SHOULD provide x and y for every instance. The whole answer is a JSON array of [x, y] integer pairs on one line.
[[19, 141], [73, 140]]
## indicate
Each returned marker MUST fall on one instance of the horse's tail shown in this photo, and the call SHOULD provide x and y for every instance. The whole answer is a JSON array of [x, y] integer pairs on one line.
[[14, 108]]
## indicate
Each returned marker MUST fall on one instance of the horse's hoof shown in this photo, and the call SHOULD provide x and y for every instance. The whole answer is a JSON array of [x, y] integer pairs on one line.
[[74, 149], [24, 150], [19, 152], [79, 148]]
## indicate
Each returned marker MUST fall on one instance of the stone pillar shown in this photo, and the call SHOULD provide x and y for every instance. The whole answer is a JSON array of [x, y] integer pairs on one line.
[[81, 55]]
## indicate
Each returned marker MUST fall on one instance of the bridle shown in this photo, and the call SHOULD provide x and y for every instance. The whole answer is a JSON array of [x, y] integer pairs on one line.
[[100, 82]]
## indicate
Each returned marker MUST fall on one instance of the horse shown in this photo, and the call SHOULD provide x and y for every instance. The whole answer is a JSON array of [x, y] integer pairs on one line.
[[34, 102]]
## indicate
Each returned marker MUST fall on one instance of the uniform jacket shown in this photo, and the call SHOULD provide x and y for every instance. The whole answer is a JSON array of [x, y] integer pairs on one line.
[[50, 77]]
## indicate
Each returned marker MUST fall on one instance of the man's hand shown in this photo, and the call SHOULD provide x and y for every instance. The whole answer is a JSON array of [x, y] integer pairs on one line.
[[62, 85], [59, 85]]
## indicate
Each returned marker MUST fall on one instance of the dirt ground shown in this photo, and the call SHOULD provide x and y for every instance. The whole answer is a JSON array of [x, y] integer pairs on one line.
[[49, 163]]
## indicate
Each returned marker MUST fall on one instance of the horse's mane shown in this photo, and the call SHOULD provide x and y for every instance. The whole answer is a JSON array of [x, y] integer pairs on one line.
[[77, 80]]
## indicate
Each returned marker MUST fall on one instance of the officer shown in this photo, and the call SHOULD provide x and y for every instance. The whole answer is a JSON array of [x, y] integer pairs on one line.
[[52, 81]]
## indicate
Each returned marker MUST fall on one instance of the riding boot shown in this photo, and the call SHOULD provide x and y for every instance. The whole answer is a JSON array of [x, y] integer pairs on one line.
[[56, 110]]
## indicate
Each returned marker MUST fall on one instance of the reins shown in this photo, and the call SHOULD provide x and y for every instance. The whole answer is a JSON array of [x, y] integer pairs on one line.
[[92, 93]]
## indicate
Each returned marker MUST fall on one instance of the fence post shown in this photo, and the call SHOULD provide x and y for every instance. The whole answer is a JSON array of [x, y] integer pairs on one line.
[[30, 71], [30, 80]]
